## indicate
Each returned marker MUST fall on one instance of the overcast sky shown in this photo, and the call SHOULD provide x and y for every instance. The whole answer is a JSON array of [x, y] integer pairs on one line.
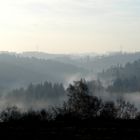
[[69, 26]]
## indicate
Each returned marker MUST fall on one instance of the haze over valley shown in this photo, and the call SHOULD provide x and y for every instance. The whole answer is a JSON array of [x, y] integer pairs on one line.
[[21, 71]]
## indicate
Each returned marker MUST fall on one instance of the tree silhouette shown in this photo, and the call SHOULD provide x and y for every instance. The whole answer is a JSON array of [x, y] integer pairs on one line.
[[81, 103]]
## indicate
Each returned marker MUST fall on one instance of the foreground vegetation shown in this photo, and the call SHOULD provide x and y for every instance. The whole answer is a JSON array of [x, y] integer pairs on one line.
[[80, 105], [82, 116]]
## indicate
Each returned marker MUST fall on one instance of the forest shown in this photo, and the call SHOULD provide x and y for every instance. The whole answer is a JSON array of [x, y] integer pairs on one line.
[[81, 116], [42, 96], [80, 105]]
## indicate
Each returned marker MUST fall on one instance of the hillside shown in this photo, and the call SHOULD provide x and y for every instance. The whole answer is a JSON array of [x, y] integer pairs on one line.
[[92, 62], [16, 71], [124, 78]]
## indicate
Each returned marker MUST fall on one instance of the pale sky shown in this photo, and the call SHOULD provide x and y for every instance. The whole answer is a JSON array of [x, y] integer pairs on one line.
[[69, 26]]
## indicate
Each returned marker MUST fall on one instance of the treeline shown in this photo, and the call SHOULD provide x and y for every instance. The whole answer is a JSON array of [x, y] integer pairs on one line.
[[34, 96], [39, 92], [125, 78], [80, 105], [125, 85]]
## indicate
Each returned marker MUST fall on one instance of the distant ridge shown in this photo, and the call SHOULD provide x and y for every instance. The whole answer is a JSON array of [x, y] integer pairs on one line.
[[20, 69]]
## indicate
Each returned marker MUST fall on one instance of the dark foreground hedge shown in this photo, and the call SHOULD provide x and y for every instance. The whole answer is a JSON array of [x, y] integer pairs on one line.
[[86, 129]]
